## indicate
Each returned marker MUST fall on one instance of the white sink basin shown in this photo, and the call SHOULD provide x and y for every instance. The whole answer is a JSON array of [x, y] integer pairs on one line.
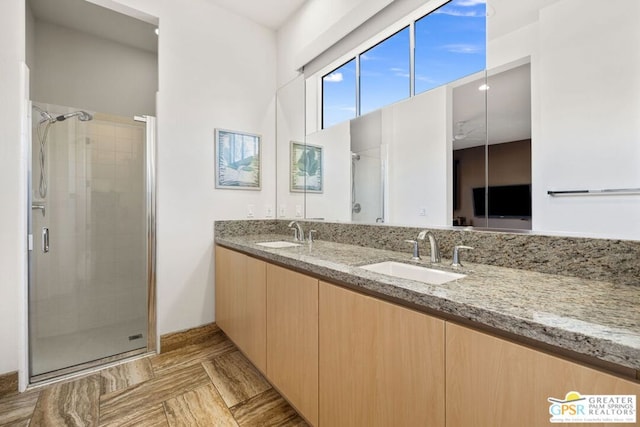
[[413, 272], [278, 245]]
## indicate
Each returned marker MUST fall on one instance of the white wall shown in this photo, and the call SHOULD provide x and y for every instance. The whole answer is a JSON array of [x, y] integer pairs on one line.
[[420, 157], [13, 94], [78, 69], [315, 27], [208, 59], [208, 63], [585, 109], [289, 127], [589, 136], [334, 203]]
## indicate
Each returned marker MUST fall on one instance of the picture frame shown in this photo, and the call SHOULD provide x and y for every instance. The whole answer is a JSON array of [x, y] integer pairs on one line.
[[238, 160], [306, 168]]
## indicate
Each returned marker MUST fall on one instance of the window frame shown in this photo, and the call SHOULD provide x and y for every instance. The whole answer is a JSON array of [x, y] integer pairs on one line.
[[408, 21]]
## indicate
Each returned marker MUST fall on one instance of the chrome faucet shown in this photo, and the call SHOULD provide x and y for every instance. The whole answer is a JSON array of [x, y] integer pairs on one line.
[[456, 255], [416, 250], [435, 249], [298, 234]]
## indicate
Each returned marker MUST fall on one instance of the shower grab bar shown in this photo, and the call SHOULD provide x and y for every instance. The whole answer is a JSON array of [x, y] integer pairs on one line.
[[45, 239], [608, 191]]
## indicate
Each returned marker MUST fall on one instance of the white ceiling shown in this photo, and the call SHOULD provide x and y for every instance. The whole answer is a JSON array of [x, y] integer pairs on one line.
[[508, 108], [270, 13], [90, 18]]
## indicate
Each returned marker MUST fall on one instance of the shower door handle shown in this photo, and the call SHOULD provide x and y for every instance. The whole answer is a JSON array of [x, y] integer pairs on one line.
[[45, 239]]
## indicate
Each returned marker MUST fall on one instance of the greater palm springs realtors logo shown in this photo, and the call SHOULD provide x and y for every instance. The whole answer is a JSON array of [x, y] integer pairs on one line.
[[605, 408]]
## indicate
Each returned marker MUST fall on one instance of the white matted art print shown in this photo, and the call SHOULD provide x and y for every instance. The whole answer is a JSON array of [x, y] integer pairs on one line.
[[306, 168], [237, 157]]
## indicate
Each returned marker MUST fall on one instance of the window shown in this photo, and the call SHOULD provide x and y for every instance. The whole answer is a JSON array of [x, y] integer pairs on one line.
[[384, 72], [450, 43], [339, 95]]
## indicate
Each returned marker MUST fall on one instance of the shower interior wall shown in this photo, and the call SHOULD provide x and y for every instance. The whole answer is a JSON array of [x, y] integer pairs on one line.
[[91, 285]]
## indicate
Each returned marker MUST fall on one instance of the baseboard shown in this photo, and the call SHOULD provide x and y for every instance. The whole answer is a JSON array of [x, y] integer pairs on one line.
[[8, 384], [175, 340]]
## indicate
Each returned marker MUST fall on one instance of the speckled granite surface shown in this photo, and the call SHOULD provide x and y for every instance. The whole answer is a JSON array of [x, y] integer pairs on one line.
[[615, 261], [595, 318]]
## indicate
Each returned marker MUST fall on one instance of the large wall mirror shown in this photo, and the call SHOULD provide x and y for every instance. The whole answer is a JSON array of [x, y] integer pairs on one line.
[[560, 114]]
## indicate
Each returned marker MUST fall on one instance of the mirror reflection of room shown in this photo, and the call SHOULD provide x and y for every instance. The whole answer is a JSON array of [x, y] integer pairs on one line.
[[544, 136], [504, 162]]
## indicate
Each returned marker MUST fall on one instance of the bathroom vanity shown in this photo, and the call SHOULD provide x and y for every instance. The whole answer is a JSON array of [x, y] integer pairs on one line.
[[349, 346]]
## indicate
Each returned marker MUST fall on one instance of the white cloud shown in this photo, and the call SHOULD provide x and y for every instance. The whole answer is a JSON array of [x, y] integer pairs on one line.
[[462, 48], [425, 79], [334, 78], [466, 14], [341, 107], [467, 3], [399, 72], [457, 8]]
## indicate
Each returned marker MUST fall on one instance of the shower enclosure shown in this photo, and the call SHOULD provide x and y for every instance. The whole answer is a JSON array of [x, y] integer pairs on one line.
[[368, 168], [91, 232]]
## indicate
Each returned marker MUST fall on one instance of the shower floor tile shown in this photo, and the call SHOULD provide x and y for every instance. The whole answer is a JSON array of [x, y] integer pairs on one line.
[[61, 351]]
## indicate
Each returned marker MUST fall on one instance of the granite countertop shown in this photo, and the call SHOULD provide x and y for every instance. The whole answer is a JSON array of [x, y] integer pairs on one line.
[[594, 318]]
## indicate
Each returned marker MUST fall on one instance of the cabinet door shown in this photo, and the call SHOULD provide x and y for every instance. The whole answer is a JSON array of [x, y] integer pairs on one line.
[[493, 382], [241, 302], [292, 345], [380, 364]]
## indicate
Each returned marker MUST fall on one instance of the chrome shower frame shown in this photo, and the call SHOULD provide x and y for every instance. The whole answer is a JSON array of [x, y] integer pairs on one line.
[[153, 339]]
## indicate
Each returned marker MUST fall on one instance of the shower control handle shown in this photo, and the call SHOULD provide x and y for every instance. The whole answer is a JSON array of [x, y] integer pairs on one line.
[[45, 239]]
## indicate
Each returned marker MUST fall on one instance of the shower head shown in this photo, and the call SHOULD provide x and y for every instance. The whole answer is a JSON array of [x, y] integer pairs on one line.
[[355, 156], [83, 116]]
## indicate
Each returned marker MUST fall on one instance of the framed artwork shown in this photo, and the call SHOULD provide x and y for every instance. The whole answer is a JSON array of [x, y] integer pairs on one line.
[[306, 168], [237, 157]]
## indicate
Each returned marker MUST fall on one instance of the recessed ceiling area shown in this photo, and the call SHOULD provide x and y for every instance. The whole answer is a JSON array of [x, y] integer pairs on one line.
[[102, 22], [86, 17]]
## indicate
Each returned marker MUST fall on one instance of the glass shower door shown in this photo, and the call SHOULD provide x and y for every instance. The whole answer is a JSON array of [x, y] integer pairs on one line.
[[89, 261]]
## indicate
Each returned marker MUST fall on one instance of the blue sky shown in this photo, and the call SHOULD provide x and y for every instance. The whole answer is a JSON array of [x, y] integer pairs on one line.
[[450, 44]]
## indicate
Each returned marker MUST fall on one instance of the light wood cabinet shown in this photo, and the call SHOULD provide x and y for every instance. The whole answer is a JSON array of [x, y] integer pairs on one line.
[[346, 359], [292, 332], [241, 303], [494, 382], [380, 364]]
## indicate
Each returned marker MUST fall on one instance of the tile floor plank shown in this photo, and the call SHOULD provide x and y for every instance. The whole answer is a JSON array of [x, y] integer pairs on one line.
[[235, 377], [69, 404], [200, 407], [17, 408], [204, 383], [153, 416], [192, 354], [150, 393], [122, 376], [23, 423], [177, 340], [266, 409]]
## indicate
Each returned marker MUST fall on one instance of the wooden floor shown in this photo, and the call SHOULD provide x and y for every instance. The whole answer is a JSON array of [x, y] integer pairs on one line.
[[209, 383]]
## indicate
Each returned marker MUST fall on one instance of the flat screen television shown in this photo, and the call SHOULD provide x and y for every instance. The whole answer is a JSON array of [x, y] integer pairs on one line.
[[505, 201]]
